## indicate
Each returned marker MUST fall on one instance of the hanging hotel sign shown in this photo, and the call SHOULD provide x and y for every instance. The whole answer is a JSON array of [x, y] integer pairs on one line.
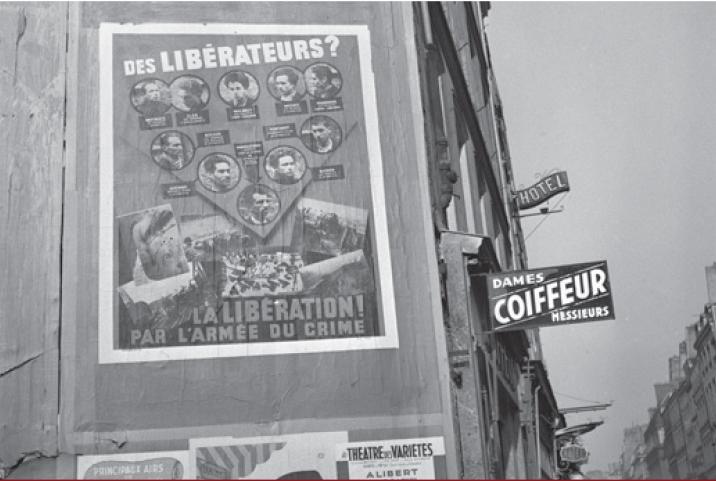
[[541, 191], [551, 296]]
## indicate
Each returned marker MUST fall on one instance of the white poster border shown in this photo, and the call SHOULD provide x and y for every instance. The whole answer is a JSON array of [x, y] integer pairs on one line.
[[108, 354]]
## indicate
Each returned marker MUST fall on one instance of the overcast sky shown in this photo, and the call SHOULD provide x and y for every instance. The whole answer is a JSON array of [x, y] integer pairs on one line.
[[622, 97]]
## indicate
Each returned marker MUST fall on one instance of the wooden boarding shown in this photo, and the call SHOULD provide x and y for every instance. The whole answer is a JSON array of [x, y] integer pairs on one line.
[[32, 82], [159, 405]]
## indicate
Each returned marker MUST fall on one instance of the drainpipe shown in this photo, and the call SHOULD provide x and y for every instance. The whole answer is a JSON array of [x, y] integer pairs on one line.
[[426, 23], [537, 446], [554, 455]]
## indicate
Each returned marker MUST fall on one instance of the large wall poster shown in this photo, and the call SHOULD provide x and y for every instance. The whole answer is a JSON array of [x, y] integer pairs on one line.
[[242, 205]]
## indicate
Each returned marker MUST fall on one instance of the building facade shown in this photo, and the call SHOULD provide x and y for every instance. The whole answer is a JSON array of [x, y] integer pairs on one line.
[[632, 460], [680, 435], [654, 447], [703, 374]]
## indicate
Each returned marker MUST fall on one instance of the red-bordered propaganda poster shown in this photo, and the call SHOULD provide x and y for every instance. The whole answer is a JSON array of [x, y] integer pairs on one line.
[[241, 188]]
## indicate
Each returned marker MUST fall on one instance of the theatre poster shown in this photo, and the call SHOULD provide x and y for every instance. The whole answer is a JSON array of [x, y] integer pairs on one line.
[[242, 204], [419, 458]]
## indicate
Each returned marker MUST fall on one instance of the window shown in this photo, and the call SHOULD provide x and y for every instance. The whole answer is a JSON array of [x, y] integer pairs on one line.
[[467, 194], [476, 49]]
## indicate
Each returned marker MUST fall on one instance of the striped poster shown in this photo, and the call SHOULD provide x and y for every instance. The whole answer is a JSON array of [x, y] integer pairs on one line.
[[237, 461]]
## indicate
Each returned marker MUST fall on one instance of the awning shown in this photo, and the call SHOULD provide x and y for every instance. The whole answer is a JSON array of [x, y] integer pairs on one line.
[[578, 429]]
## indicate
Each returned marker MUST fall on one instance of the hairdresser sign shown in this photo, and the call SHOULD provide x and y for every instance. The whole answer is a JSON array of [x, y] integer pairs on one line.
[[242, 201], [549, 297]]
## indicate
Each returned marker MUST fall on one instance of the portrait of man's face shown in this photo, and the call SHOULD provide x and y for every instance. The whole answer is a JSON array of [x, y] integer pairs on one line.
[[323, 81], [258, 205], [189, 93], [265, 208], [238, 89], [152, 92], [222, 174], [312, 81], [321, 133], [150, 97], [287, 165], [262, 202], [219, 172], [172, 150], [284, 86], [238, 92], [173, 147], [189, 99]]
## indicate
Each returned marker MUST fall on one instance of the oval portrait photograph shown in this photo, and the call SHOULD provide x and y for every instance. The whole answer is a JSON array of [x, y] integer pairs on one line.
[[172, 150], [238, 89], [286, 84], [323, 81], [258, 204], [285, 165], [151, 97], [321, 134], [189, 93], [219, 172]]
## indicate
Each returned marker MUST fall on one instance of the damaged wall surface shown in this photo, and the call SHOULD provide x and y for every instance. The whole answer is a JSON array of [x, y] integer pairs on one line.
[[32, 82]]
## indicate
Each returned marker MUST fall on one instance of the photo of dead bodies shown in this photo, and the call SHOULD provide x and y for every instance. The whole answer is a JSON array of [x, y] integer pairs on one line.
[[249, 275]]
